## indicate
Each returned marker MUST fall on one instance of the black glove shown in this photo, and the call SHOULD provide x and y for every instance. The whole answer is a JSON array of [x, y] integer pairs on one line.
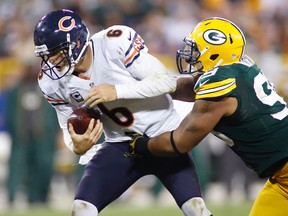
[[138, 145]]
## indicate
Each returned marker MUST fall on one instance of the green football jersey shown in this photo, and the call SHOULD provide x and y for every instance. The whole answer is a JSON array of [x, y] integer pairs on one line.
[[258, 130]]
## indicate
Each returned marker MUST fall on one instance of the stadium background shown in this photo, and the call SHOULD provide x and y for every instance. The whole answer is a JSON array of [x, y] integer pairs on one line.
[[227, 185]]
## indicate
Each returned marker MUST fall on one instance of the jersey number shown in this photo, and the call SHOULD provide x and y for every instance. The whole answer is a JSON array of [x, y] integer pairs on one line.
[[120, 115], [267, 95], [114, 33]]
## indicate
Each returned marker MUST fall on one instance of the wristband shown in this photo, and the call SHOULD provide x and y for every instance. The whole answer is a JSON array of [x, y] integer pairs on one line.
[[173, 144], [141, 146]]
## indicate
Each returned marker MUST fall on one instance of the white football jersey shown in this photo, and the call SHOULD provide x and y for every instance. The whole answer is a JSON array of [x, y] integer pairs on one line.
[[142, 83]]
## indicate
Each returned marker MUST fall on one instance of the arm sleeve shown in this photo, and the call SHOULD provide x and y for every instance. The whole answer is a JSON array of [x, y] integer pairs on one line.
[[62, 116], [153, 79]]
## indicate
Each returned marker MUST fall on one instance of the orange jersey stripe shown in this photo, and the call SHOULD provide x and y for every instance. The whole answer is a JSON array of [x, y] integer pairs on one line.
[[131, 56]]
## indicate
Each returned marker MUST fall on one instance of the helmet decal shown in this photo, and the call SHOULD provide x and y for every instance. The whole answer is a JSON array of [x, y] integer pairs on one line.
[[215, 37], [68, 28]]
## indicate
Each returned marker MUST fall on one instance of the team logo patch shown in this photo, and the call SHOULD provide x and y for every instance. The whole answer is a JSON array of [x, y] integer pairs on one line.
[[77, 96], [214, 37]]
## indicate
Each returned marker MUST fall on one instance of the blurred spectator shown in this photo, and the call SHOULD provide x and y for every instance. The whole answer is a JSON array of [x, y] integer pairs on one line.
[[33, 126]]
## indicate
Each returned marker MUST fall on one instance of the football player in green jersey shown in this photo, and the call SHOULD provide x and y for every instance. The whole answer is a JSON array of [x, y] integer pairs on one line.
[[234, 101]]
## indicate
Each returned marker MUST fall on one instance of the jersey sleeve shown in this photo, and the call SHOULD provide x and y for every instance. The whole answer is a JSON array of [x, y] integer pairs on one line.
[[61, 106], [153, 80], [62, 115], [214, 84], [50, 90], [152, 76]]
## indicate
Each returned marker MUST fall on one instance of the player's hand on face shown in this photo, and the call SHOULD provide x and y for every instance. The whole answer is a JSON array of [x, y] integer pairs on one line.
[[100, 94], [83, 142]]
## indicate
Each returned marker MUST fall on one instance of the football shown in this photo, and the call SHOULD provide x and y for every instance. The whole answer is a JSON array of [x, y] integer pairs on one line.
[[80, 118]]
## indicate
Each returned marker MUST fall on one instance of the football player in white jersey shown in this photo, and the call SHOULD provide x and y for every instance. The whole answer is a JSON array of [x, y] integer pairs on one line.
[[114, 72]]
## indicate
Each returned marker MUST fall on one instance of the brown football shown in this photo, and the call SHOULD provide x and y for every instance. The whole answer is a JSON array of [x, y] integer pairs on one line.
[[80, 118]]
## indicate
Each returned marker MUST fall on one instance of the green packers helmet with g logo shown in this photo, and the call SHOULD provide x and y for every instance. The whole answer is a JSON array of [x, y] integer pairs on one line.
[[213, 42]]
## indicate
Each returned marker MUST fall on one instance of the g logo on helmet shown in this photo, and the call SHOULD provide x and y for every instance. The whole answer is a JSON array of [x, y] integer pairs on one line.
[[214, 37], [67, 28]]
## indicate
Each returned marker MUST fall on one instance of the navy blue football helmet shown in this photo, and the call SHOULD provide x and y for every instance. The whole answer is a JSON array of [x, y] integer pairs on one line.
[[60, 31]]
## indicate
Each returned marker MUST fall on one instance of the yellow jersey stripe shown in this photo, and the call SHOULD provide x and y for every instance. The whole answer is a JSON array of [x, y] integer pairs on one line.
[[215, 89]]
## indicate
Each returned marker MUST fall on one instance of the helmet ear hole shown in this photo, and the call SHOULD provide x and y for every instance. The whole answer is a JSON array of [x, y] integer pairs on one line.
[[214, 57]]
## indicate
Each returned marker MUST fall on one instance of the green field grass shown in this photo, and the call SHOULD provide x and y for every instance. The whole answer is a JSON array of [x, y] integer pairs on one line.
[[116, 210]]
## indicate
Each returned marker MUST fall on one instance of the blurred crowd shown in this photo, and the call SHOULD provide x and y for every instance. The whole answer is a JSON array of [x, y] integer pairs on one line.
[[163, 24]]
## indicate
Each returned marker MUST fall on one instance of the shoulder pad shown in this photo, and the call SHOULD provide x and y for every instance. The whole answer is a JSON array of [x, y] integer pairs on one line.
[[215, 83], [124, 42], [49, 89]]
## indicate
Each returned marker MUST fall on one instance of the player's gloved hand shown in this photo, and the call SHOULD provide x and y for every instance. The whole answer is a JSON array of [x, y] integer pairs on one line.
[[138, 145]]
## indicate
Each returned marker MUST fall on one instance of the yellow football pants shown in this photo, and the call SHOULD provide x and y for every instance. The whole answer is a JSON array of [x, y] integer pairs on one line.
[[273, 198]]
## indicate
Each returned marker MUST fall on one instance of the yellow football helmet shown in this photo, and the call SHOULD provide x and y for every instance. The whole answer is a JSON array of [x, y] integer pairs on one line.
[[213, 42]]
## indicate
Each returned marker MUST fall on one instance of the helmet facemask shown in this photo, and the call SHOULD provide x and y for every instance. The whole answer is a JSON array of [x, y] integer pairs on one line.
[[59, 68], [62, 66], [187, 58]]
